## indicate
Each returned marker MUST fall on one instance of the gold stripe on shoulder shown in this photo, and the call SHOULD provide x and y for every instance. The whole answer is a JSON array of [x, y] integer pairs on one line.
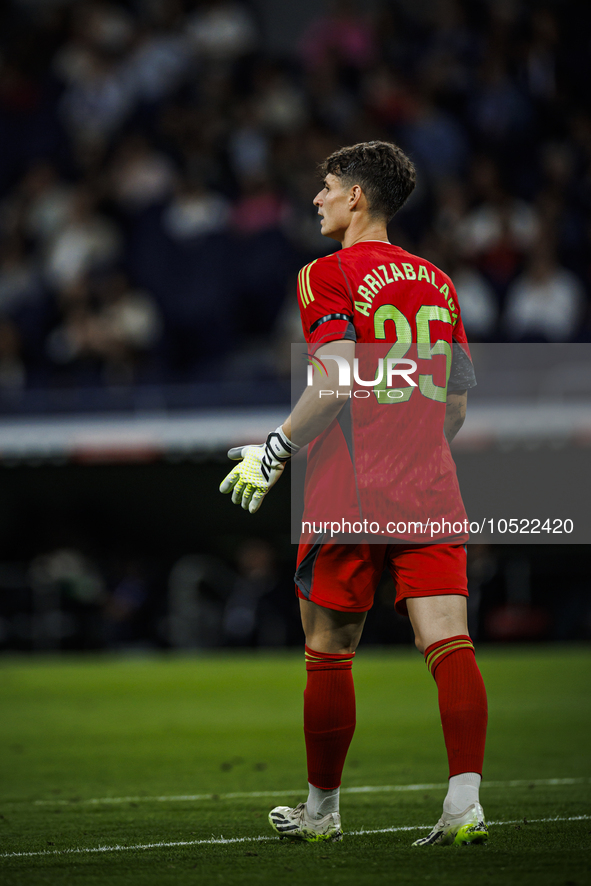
[[307, 270], [301, 287]]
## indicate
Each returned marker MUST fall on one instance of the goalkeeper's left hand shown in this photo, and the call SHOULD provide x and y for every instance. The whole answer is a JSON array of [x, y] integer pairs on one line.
[[259, 469]]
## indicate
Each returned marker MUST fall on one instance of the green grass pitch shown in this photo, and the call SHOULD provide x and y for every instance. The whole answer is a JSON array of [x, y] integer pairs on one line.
[[94, 752]]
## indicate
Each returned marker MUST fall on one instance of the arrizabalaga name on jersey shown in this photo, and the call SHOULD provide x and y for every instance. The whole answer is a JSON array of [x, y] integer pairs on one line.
[[380, 276], [385, 458]]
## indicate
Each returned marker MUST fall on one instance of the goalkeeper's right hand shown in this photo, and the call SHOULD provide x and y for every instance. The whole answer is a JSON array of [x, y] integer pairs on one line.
[[259, 469]]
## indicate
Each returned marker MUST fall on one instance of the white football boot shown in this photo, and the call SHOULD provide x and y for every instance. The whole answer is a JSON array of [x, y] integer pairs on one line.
[[297, 825], [461, 829]]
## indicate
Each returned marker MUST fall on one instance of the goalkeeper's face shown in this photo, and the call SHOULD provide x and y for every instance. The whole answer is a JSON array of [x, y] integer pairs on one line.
[[334, 207]]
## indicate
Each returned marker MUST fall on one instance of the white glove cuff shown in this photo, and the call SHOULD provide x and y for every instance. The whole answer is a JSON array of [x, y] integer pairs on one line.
[[280, 446]]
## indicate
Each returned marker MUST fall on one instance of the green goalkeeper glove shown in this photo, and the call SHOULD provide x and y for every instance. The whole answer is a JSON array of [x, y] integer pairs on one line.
[[260, 467]]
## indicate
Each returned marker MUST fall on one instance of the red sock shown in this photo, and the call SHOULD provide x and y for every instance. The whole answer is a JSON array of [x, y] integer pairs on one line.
[[462, 702], [329, 716]]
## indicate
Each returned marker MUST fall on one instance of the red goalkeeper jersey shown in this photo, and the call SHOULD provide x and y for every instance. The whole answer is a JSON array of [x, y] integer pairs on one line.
[[385, 458]]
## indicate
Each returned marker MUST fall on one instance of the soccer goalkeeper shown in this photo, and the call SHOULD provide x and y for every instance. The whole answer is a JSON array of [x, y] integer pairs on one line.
[[371, 291]]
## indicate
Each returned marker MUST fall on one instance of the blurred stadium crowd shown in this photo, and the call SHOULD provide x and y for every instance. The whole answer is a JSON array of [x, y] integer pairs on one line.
[[157, 166], [67, 599]]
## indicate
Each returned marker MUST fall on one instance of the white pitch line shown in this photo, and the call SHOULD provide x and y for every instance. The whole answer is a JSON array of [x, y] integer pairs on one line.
[[223, 841], [367, 789]]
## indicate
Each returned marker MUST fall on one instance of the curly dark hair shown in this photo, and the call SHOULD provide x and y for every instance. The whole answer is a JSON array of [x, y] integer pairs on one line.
[[383, 171]]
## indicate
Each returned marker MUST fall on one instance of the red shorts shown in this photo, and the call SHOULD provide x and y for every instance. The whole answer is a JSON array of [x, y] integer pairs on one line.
[[345, 577]]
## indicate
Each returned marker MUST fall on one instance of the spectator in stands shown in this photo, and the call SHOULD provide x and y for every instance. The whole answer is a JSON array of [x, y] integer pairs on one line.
[[71, 343], [69, 587], [161, 54], [109, 325], [94, 26], [498, 110], [497, 232], [265, 254], [387, 97], [478, 300], [435, 140], [222, 30], [539, 63], [562, 205], [20, 283], [255, 611], [281, 105], [248, 142], [343, 34], [86, 241], [546, 303], [332, 101], [195, 211], [124, 607], [98, 100], [128, 327], [259, 208], [139, 175], [46, 202]]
